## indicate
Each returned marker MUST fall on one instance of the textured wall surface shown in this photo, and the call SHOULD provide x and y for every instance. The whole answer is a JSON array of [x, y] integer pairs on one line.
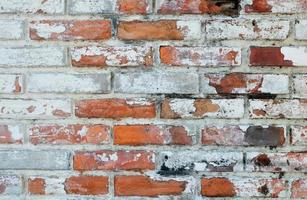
[[153, 99]]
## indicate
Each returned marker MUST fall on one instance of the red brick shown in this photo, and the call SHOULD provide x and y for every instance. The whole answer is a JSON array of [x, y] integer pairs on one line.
[[36, 186], [87, 185], [158, 30], [275, 6], [70, 30], [217, 187], [11, 134], [246, 135], [133, 6], [299, 189], [200, 56], [268, 56], [144, 186], [97, 56], [151, 134], [114, 160], [69, 134], [115, 108]]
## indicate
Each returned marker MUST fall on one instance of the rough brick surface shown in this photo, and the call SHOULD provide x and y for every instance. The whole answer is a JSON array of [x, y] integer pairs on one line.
[[153, 99]]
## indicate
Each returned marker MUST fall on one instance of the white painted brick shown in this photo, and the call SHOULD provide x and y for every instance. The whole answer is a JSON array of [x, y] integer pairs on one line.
[[156, 82], [301, 30], [28, 159], [34, 109], [69, 82], [32, 6], [247, 29], [300, 85], [91, 6], [11, 29], [10, 185], [11, 83], [31, 56]]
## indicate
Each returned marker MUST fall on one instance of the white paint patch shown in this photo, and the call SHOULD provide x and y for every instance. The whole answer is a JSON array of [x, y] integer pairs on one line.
[[190, 29], [183, 107], [139, 102], [107, 157], [83, 131], [11, 29], [91, 6], [54, 185], [15, 131], [275, 84], [45, 30], [8, 83], [297, 55], [300, 85]]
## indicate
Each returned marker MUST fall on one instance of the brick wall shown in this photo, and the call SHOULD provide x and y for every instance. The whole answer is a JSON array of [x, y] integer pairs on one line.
[[162, 99]]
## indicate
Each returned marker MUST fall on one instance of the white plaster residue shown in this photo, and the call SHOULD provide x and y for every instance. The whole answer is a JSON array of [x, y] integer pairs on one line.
[[8, 82], [92, 6], [139, 102], [11, 29], [183, 107], [45, 30], [107, 157], [301, 30], [54, 185], [190, 29], [297, 55], [229, 108], [299, 85], [275, 84], [83, 131], [15, 131]]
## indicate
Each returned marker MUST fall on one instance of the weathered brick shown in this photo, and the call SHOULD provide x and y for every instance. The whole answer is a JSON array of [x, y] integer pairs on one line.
[[247, 135], [300, 30], [114, 160], [70, 30], [201, 108], [241, 83], [35, 108], [11, 29], [134, 6], [69, 134], [278, 56], [274, 6], [200, 56], [299, 189], [115, 108], [32, 6], [156, 82], [87, 185], [10, 185], [69, 82], [276, 162], [299, 85], [196, 7], [278, 108], [159, 30], [111, 56], [186, 162], [243, 187], [145, 186], [298, 135], [11, 83], [32, 56], [247, 29], [82, 185], [91, 6], [11, 134], [151, 134], [35, 160]]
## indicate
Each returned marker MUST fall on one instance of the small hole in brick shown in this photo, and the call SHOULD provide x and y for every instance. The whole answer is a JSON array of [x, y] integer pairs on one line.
[[228, 7]]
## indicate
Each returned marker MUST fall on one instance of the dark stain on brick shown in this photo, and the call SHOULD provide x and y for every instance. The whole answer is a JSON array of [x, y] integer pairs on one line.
[[262, 96], [264, 189], [260, 136], [262, 160], [180, 171]]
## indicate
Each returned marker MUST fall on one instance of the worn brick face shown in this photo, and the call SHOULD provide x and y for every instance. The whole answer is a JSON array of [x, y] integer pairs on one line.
[[153, 99]]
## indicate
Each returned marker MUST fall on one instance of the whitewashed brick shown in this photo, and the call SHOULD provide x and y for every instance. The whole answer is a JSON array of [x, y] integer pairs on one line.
[[300, 85], [69, 82], [156, 82], [11, 83], [31, 56], [10, 185], [28, 159], [11, 29], [91, 6], [32, 6], [34, 108]]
